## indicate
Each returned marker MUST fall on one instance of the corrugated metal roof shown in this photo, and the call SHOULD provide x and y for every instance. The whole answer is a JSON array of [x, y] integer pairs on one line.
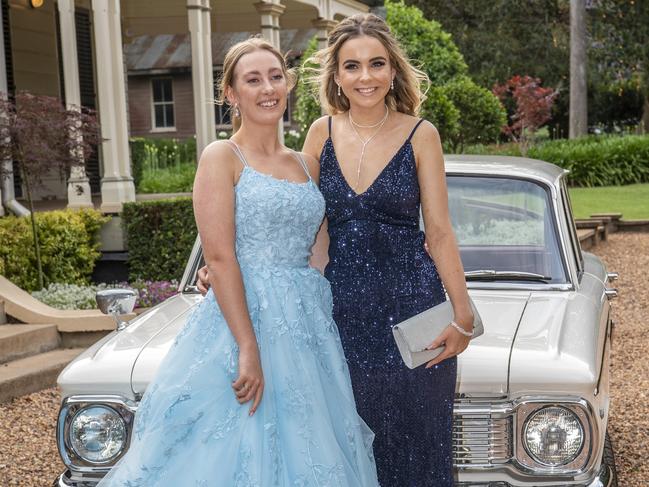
[[173, 51]]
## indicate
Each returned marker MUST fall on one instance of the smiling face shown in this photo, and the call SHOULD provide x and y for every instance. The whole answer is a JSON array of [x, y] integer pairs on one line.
[[364, 71], [259, 87]]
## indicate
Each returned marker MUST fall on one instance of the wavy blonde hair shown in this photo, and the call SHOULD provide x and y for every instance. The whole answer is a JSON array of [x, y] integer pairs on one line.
[[236, 52], [410, 83]]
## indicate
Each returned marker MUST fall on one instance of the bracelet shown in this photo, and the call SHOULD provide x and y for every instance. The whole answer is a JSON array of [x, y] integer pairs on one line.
[[461, 330]]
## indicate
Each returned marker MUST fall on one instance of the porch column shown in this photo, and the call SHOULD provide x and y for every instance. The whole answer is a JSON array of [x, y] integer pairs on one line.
[[324, 26], [117, 184], [270, 12], [78, 183], [200, 30]]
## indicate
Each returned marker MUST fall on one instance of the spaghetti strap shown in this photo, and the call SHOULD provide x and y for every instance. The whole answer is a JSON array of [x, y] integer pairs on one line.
[[303, 163], [414, 129], [235, 148], [329, 123]]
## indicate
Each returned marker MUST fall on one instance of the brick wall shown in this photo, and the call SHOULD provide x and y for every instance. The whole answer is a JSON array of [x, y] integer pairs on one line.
[[140, 96]]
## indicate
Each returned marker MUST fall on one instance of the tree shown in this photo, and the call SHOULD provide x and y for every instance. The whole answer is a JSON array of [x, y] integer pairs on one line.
[[578, 70], [42, 136], [307, 108], [619, 52], [459, 120], [463, 112], [530, 106], [501, 38]]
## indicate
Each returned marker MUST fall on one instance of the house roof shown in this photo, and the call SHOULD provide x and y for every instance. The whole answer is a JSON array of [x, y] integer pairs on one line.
[[171, 52]]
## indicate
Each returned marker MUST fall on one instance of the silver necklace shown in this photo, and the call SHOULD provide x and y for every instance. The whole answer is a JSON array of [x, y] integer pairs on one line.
[[367, 126], [365, 142]]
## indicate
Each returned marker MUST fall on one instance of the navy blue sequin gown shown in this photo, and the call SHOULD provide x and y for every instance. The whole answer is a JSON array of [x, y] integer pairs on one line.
[[381, 274]]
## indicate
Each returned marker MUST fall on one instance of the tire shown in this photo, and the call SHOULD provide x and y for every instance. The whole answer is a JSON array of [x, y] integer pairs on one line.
[[609, 460]]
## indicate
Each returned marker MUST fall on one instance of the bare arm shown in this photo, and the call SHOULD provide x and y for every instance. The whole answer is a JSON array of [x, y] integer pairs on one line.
[[316, 137], [213, 197], [313, 144], [440, 238]]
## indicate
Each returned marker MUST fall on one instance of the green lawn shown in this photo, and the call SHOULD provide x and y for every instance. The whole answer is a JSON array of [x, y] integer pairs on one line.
[[631, 200], [177, 179]]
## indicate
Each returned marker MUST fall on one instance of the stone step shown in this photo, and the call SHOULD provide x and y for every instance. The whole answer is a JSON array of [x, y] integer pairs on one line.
[[19, 341], [34, 373]]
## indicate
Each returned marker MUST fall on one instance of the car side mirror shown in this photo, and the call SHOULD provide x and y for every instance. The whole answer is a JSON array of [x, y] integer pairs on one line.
[[116, 302]]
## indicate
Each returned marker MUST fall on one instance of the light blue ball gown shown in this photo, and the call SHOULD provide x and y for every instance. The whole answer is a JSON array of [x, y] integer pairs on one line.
[[190, 431]]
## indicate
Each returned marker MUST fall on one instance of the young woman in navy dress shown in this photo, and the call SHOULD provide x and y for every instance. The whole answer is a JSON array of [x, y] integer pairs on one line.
[[379, 165]]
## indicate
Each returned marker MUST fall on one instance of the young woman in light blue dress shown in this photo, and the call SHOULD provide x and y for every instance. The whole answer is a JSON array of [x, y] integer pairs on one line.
[[255, 390]]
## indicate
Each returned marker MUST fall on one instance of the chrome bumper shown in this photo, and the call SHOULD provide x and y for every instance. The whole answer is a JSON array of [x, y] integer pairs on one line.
[[603, 480]]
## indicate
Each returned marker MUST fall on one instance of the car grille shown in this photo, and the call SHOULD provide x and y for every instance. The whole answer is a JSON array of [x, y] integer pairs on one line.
[[481, 437]]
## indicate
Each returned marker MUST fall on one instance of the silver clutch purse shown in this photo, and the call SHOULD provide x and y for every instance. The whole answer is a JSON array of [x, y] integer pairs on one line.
[[415, 334]]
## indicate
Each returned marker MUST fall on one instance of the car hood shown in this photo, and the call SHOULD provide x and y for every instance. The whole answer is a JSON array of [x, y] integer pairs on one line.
[[482, 369], [106, 367], [518, 325]]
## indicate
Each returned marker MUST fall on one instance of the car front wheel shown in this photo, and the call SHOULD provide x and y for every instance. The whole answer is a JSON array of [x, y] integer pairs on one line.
[[609, 460]]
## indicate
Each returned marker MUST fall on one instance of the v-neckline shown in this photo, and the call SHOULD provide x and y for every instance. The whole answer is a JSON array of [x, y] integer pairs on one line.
[[342, 174]]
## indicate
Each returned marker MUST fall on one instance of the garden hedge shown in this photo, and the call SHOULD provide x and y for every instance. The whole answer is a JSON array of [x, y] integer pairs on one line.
[[592, 161], [159, 235], [69, 247]]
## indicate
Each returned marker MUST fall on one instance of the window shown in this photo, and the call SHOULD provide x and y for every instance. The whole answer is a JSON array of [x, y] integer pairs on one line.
[[163, 103]]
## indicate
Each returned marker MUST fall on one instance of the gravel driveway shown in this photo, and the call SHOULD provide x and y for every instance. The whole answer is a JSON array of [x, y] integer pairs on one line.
[[29, 458]]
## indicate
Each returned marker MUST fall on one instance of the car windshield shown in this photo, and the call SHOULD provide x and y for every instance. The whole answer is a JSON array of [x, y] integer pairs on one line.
[[506, 229]]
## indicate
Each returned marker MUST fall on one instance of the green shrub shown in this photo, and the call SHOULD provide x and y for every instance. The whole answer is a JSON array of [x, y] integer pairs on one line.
[[178, 179], [159, 154], [68, 242], [481, 113], [441, 112], [599, 161], [592, 161], [159, 235]]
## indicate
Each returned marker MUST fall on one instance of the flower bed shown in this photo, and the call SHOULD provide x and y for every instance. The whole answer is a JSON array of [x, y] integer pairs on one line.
[[73, 296]]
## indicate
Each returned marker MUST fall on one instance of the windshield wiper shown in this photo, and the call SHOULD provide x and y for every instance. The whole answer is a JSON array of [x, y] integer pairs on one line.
[[494, 275]]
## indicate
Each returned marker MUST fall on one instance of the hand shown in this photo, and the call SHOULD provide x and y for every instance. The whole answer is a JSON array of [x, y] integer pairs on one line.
[[454, 342], [203, 282], [250, 383]]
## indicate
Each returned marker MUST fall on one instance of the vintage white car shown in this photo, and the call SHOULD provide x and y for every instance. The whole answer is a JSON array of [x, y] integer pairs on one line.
[[532, 399]]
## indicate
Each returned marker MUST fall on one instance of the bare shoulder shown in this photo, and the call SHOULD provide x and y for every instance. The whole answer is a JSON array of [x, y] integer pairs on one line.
[[319, 130], [218, 157], [426, 132]]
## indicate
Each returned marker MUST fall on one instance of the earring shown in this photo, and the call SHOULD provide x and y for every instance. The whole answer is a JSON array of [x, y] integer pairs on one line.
[[338, 90], [392, 84], [235, 111]]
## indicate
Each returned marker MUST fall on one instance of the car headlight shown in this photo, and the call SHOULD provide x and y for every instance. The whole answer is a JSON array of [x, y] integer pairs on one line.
[[553, 436], [97, 433]]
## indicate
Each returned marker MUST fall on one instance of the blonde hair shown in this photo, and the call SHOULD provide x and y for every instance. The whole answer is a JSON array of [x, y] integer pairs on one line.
[[407, 95], [236, 52]]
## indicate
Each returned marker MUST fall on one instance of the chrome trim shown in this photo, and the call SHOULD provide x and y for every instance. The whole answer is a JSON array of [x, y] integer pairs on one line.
[[603, 479], [611, 293], [517, 465], [612, 276], [70, 406], [482, 436], [525, 413]]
